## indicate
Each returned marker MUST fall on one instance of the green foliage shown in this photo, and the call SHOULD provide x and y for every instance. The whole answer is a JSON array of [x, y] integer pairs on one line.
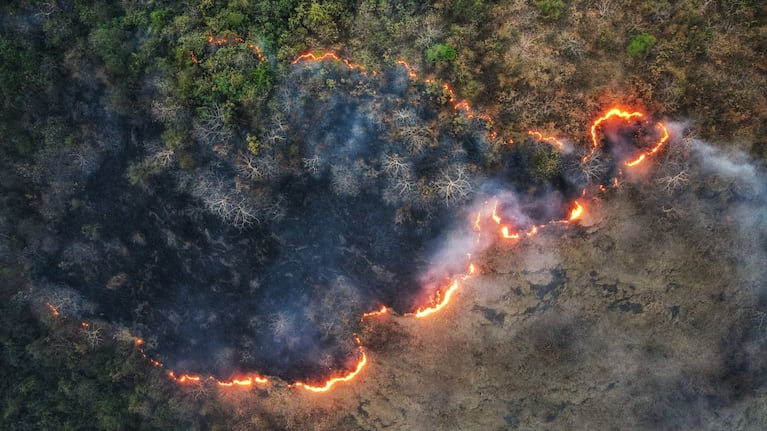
[[21, 83], [546, 163], [640, 45], [467, 11], [174, 137], [110, 42], [440, 52], [91, 231], [158, 19], [551, 10]]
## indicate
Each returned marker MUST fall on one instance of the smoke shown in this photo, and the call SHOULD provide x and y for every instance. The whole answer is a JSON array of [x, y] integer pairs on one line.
[[737, 188], [361, 191]]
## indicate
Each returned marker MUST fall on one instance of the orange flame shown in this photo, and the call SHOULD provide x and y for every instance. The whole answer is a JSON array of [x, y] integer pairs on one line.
[[441, 298], [550, 139], [505, 233], [311, 56], [439, 302], [614, 112], [184, 378], [576, 212], [472, 269], [664, 137], [495, 215], [332, 381], [246, 381], [410, 72], [221, 41], [380, 312]]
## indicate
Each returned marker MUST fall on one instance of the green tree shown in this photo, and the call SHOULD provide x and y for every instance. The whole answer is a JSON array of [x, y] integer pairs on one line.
[[440, 52], [640, 45]]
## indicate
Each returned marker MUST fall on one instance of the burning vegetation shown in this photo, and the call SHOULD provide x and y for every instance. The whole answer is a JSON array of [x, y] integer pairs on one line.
[[454, 215], [368, 191]]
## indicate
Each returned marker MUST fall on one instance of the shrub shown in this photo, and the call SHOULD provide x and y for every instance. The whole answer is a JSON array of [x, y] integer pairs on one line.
[[440, 52], [551, 9], [641, 45]]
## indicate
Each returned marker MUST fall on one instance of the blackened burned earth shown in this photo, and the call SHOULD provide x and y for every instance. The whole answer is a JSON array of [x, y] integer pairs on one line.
[[259, 252]]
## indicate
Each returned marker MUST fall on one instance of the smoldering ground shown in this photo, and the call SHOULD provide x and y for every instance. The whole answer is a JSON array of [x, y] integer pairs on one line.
[[262, 253]]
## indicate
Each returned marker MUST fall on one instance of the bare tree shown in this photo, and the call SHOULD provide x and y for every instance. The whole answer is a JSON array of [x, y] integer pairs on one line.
[[416, 138], [344, 182], [671, 183], [92, 334], [256, 168], [226, 203], [312, 165], [593, 168], [404, 117], [213, 127], [604, 7], [280, 324], [395, 165], [453, 188]]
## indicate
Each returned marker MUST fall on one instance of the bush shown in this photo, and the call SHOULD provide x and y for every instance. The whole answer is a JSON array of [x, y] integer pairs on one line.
[[440, 52], [641, 45], [551, 9]]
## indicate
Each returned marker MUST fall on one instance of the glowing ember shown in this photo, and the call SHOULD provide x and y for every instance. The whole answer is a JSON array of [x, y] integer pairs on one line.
[[53, 309], [410, 72], [332, 381]]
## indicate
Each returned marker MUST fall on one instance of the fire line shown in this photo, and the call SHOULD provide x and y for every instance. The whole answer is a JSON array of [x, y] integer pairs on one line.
[[488, 217]]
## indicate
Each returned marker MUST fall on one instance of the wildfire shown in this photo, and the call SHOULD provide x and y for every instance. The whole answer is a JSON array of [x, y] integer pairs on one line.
[[664, 137], [490, 216], [550, 139], [311, 56], [53, 309], [380, 312], [576, 212], [245, 381], [410, 72], [614, 112], [505, 233], [439, 302], [184, 378], [197, 379], [332, 381], [626, 116], [221, 41]]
